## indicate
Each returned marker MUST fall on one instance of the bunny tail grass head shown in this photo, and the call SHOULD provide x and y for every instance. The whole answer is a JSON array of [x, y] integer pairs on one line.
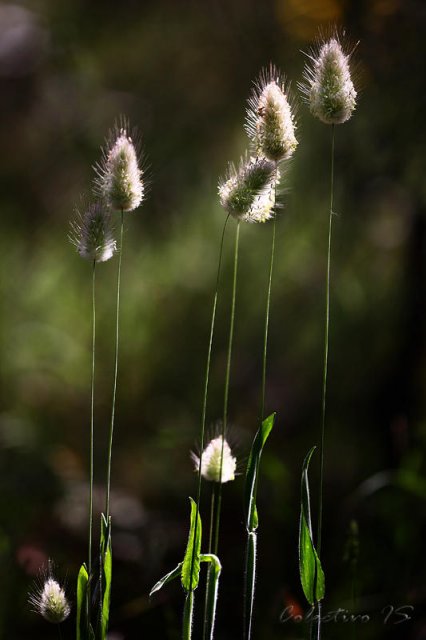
[[248, 193], [210, 461], [119, 177], [327, 86], [92, 234], [50, 601], [270, 122]]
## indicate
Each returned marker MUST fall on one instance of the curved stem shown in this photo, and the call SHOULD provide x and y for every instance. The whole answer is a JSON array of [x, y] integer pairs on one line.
[[206, 387], [268, 306], [114, 392], [226, 391]]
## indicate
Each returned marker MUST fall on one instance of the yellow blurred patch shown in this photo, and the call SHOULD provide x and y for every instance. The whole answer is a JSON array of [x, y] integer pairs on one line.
[[303, 18]]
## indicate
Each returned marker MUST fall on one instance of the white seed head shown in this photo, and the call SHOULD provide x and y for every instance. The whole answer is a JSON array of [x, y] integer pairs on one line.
[[51, 602], [119, 178], [327, 85], [92, 234], [211, 461], [270, 121], [248, 193]]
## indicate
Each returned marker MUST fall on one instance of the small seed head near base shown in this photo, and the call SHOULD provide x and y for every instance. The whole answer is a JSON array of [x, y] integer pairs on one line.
[[210, 461], [50, 601]]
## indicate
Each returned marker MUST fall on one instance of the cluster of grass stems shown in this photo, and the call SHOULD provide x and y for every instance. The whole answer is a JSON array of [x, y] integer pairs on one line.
[[249, 193]]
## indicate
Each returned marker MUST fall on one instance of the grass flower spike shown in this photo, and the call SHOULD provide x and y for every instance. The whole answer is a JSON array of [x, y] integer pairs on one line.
[[212, 459], [119, 178], [270, 122], [327, 84], [248, 193], [51, 602], [92, 233]]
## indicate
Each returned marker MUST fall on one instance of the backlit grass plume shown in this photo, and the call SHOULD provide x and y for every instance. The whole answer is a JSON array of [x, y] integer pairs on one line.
[[50, 601], [217, 462], [119, 175], [327, 85], [270, 121], [248, 192], [92, 233]]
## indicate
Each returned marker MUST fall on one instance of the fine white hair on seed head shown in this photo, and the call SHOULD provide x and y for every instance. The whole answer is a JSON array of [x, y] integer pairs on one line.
[[327, 85]]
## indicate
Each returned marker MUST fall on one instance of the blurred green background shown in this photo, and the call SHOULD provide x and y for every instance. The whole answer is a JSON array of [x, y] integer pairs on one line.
[[182, 71]]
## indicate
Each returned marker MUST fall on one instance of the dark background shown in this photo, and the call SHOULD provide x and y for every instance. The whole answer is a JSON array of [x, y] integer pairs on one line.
[[182, 72]]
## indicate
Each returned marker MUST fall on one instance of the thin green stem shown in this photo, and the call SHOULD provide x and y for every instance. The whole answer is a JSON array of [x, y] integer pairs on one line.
[[268, 306], [226, 391], [114, 392], [250, 569], [212, 512], [187, 616], [249, 583], [325, 370], [215, 487], [206, 388], [92, 431], [326, 340], [319, 605]]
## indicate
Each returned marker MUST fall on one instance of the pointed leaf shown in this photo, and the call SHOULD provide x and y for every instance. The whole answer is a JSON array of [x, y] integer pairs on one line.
[[311, 572], [192, 554], [106, 567], [82, 582], [167, 578], [252, 472]]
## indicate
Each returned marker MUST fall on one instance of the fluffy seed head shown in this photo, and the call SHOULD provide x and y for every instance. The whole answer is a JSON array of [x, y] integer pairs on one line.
[[92, 234], [248, 193], [50, 601], [119, 178], [327, 84], [210, 461], [270, 122]]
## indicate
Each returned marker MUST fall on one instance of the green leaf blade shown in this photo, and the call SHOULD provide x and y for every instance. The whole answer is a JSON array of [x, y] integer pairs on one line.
[[82, 582], [311, 572], [252, 520], [166, 579], [191, 561], [106, 563]]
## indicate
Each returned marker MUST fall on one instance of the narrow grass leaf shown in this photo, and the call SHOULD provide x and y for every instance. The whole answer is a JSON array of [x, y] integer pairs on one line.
[[167, 578], [311, 572], [252, 520], [82, 582], [106, 560], [192, 553], [212, 590]]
